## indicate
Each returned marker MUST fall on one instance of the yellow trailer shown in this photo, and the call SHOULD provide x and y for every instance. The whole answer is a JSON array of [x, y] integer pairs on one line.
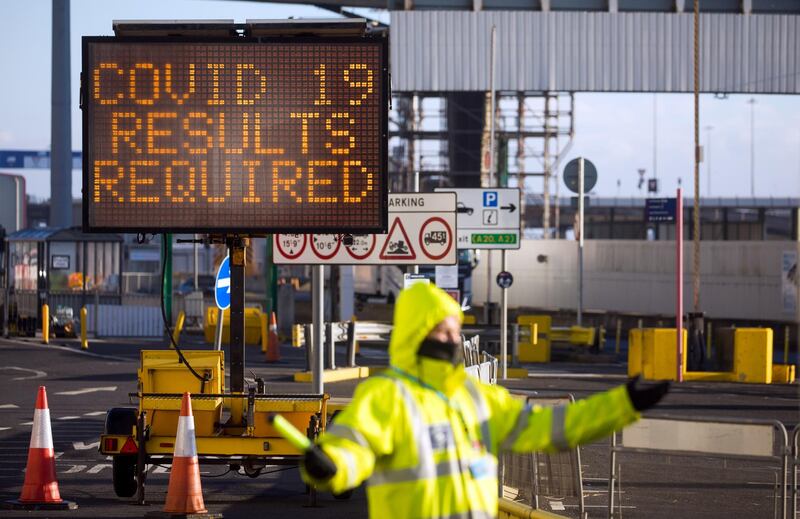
[[230, 428]]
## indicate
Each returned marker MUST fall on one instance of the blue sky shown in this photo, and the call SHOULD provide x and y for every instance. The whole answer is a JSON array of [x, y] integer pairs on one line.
[[613, 130]]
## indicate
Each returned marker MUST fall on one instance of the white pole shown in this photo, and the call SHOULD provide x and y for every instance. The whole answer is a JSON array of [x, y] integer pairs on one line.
[[415, 268], [318, 326], [492, 180], [580, 241]]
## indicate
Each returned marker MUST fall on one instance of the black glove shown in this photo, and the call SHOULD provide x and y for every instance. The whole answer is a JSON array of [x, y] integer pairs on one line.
[[318, 464], [644, 396]]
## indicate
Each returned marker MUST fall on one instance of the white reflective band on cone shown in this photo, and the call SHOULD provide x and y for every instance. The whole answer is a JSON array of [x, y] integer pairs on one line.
[[184, 440], [42, 435]]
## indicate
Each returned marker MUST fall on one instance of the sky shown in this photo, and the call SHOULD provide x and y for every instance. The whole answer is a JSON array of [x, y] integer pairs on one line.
[[614, 131]]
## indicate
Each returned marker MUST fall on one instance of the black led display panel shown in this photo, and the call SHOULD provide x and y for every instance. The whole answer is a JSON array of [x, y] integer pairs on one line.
[[235, 136]]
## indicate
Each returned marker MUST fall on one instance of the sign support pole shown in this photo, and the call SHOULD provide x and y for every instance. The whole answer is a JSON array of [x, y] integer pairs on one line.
[[679, 281], [503, 321], [167, 287], [492, 165], [318, 325], [580, 240]]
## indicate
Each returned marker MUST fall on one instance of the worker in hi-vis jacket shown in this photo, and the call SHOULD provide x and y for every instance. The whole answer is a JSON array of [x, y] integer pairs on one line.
[[425, 436]]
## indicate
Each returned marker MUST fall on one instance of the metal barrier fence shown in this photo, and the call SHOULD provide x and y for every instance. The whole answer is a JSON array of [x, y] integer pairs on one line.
[[795, 461], [528, 477], [729, 439]]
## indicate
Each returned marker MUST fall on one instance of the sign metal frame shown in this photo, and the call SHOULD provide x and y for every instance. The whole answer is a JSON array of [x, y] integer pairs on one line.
[[382, 173]]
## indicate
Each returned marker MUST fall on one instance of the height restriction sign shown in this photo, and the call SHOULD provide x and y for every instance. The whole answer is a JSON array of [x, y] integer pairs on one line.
[[422, 231]]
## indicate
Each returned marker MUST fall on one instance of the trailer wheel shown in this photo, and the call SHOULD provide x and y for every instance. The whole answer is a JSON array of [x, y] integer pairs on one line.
[[124, 475]]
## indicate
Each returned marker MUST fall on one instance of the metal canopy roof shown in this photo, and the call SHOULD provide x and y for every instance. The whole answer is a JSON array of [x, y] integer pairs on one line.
[[51, 234], [663, 6]]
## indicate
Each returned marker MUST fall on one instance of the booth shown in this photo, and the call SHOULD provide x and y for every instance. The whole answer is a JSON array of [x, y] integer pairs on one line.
[[62, 267]]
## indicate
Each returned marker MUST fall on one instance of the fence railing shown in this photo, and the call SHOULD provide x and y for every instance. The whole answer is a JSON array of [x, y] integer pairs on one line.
[[749, 440]]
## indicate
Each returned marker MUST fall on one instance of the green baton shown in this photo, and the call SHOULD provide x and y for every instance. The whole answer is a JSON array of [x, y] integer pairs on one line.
[[290, 432]]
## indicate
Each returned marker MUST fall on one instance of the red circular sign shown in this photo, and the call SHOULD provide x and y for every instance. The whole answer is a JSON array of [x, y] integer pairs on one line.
[[325, 246], [435, 239], [294, 249], [361, 242]]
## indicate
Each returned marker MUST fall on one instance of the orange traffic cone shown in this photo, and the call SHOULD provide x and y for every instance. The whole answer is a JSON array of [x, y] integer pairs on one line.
[[40, 490], [273, 347], [184, 495]]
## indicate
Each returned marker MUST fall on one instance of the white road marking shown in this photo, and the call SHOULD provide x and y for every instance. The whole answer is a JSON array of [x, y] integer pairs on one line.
[[97, 468], [9, 406], [36, 373], [73, 350], [557, 506], [81, 446], [68, 418], [26, 423], [74, 469], [160, 470], [58, 455], [7, 428], [95, 413], [87, 390]]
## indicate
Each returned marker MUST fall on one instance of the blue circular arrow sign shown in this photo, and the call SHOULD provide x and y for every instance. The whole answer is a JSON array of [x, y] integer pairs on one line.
[[222, 286]]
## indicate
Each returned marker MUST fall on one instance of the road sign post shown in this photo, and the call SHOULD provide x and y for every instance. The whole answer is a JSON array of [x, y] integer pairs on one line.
[[318, 327], [581, 203], [679, 280], [580, 176]]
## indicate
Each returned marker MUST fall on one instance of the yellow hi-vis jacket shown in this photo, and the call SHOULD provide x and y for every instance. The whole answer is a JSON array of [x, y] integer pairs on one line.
[[425, 437]]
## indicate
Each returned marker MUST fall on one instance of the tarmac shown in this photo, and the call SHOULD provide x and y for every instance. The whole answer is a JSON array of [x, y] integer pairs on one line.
[[82, 385]]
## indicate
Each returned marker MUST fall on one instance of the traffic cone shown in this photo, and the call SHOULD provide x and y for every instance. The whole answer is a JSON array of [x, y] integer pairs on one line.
[[273, 347], [184, 495], [40, 490]]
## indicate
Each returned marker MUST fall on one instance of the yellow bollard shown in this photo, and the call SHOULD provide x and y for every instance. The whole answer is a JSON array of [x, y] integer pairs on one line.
[[601, 343], [84, 340], [264, 334], [786, 345], [176, 333], [619, 336], [45, 324]]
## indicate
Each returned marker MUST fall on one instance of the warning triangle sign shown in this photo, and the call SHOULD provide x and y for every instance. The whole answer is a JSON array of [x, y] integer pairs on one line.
[[397, 245]]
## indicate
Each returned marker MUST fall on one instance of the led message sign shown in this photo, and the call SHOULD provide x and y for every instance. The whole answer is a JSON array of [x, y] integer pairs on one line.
[[235, 135]]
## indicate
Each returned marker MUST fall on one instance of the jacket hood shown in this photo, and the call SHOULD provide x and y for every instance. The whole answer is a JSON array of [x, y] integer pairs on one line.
[[417, 311]]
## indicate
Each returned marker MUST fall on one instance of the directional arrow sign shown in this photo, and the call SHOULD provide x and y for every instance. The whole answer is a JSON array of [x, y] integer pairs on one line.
[[487, 218], [222, 286]]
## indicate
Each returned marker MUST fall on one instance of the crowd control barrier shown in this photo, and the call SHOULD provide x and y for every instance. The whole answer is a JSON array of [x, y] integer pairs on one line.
[[750, 440]]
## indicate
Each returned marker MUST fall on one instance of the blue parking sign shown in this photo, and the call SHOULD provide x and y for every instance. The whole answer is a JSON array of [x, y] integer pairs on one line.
[[222, 285], [490, 199]]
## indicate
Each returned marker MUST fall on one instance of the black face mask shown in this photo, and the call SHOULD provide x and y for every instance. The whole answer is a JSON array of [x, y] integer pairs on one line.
[[451, 352]]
